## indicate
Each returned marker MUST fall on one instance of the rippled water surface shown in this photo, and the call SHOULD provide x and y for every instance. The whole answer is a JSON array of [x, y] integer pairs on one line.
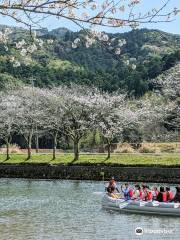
[[60, 209]]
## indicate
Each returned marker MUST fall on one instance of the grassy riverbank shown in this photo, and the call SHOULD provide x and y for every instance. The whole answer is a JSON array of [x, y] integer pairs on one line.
[[168, 159]]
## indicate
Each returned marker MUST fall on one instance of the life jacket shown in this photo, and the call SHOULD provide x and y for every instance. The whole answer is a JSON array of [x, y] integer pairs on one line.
[[157, 192], [141, 194], [164, 197], [144, 194], [149, 196], [113, 195], [131, 192], [170, 195]]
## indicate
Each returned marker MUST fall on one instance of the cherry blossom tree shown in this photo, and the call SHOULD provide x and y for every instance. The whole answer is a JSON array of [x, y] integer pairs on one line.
[[154, 112], [9, 106], [30, 113], [79, 112], [52, 117], [115, 113], [168, 85], [103, 13]]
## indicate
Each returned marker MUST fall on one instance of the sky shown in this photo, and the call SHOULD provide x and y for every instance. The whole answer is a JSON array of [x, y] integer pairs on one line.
[[171, 27]]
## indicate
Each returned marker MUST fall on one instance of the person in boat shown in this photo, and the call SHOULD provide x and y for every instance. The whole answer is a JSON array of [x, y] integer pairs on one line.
[[162, 196], [155, 193], [177, 195], [149, 195], [169, 194], [144, 192], [126, 191], [136, 193], [111, 192], [131, 192], [112, 183]]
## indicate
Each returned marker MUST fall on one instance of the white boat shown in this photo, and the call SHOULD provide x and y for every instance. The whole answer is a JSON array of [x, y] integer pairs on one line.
[[139, 206]]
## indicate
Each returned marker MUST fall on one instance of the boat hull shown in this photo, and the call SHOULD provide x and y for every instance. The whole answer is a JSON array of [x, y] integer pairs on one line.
[[141, 207]]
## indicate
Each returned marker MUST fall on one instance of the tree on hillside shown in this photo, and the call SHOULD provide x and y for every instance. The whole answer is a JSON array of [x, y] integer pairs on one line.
[[86, 14], [168, 85], [8, 82]]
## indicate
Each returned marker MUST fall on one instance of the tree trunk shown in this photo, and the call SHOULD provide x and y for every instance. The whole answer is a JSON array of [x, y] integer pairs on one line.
[[76, 149], [37, 143], [108, 149], [7, 151], [29, 146], [54, 145], [8, 140], [93, 143]]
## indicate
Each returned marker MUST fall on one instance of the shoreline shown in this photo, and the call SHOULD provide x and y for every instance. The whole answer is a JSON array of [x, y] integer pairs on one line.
[[93, 172]]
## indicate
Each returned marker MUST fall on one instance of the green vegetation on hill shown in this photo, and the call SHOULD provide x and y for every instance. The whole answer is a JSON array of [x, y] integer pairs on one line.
[[7, 80], [152, 51]]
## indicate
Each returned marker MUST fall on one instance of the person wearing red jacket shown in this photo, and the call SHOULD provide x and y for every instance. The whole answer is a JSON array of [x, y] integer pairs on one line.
[[155, 193], [149, 195], [162, 196], [169, 194]]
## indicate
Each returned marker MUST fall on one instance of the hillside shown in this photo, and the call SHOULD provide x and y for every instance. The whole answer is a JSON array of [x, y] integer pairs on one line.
[[152, 52]]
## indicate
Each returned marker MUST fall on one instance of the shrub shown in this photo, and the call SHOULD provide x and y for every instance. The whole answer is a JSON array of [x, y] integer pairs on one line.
[[124, 148], [145, 149], [133, 136], [13, 148], [168, 149]]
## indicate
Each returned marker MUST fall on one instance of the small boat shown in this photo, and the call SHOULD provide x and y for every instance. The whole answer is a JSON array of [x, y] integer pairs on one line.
[[143, 207]]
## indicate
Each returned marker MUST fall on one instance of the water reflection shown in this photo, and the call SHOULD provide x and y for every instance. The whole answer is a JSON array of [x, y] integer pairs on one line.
[[55, 210]]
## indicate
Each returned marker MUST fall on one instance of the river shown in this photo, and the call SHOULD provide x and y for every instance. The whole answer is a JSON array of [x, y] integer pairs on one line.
[[70, 210]]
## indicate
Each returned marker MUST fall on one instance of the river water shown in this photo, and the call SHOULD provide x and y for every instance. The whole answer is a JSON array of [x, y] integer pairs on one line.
[[67, 210]]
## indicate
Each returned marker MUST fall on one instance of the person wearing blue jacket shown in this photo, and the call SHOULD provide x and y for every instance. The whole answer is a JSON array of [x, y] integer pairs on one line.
[[126, 191]]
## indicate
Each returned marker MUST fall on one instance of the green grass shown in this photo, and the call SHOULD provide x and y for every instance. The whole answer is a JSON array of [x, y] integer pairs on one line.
[[168, 159]]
